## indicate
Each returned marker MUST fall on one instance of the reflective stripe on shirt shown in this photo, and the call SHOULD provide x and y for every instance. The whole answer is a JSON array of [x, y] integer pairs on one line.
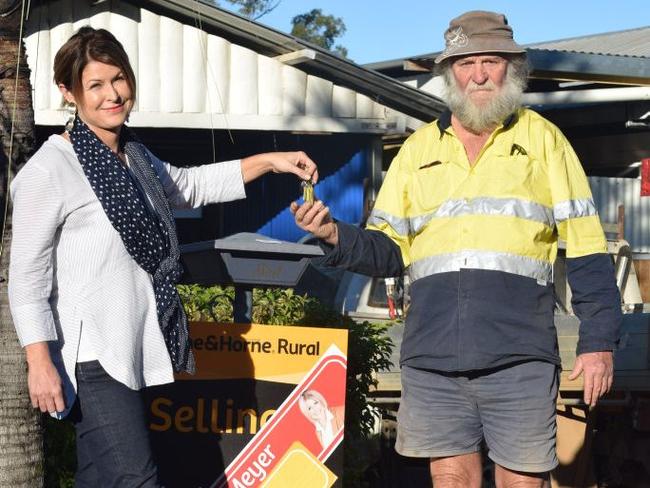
[[487, 260], [378, 218], [511, 207], [572, 209]]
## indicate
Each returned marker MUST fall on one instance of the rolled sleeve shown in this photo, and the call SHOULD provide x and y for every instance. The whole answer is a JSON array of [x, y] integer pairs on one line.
[[38, 211], [573, 205], [34, 323]]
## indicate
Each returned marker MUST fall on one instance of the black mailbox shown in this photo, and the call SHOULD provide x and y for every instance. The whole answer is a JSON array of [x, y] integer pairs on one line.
[[246, 259]]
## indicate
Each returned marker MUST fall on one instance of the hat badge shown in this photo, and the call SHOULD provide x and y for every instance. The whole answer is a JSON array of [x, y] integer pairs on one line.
[[456, 38]]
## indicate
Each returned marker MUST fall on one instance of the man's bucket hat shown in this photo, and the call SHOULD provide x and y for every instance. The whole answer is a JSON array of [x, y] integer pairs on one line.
[[478, 32]]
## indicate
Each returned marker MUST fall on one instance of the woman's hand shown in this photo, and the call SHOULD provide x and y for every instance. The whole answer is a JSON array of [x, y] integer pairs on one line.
[[43, 380], [296, 162], [315, 218]]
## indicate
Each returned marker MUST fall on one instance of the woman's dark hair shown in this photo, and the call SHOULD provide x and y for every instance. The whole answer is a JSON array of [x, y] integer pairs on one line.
[[87, 45]]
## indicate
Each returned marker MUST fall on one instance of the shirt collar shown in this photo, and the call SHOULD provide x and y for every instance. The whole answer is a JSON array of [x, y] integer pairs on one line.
[[444, 121]]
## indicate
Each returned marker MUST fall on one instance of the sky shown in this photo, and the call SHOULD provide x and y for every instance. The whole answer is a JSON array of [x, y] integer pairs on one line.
[[382, 30]]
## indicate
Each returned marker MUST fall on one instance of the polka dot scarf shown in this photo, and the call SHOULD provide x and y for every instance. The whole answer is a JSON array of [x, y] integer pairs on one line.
[[149, 235]]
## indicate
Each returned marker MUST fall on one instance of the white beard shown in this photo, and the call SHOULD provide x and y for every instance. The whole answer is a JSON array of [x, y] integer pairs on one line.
[[486, 117]]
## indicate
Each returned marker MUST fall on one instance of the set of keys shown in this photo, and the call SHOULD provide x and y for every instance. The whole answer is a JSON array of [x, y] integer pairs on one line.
[[307, 191]]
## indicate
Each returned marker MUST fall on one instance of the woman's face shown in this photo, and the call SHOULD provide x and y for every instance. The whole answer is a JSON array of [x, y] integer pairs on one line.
[[315, 409], [105, 99]]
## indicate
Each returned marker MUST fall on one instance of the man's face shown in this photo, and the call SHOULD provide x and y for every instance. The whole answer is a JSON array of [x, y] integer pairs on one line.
[[480, 77]]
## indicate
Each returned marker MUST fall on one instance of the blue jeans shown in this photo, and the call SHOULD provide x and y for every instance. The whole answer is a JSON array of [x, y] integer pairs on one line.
[[113, 447]]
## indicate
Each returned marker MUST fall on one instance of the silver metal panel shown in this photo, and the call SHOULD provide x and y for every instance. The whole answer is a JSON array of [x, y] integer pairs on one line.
[[609, 193], [632, 42]]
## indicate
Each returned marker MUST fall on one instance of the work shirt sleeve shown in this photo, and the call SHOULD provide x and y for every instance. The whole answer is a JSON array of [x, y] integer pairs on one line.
[[38, 211], [595, 297], [574, 210], [368, 252], [596, 301]]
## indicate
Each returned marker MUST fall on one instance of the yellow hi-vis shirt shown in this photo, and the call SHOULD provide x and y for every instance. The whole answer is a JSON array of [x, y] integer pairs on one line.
[[505, 213]]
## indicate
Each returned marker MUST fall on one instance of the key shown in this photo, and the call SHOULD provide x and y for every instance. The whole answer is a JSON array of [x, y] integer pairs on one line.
[[307, 191]]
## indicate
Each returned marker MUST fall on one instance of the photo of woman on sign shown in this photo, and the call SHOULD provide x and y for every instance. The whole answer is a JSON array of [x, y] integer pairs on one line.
[[328, 421]]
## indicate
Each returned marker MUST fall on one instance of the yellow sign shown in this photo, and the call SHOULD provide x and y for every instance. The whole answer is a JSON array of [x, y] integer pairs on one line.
[[264, 352], [299, 467]]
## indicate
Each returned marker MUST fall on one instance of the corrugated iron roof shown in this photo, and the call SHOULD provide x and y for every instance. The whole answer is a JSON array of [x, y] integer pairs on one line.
[[201, 67], [611, 57], [631, 43]]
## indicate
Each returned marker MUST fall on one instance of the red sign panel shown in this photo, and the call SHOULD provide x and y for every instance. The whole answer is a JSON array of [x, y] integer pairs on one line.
[[264, 455], [645, 178]]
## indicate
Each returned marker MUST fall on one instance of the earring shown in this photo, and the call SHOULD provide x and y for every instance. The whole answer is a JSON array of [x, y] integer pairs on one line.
[[71, 112]]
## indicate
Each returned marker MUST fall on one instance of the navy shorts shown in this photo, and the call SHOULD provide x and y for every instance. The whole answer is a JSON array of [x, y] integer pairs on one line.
[[512, 408]]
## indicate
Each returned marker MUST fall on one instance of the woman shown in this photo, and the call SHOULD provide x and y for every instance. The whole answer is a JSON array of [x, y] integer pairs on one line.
[[95, 259], [327, 421]]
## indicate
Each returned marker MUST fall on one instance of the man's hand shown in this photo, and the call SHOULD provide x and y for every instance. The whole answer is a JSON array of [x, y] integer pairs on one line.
[[315, 218], [598, 372]]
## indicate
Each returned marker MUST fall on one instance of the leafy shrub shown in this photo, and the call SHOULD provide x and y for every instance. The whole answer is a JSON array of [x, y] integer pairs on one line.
[[207, 304]]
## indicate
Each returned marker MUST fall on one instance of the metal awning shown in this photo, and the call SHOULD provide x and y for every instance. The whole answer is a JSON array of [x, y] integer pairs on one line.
[[601, 68], [549, 64]]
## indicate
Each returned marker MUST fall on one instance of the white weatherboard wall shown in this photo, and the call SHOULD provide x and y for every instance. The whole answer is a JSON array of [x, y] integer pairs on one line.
[[187, 78]]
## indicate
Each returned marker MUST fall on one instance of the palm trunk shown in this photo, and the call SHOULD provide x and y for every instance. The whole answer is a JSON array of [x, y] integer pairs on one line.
[[21, 440]]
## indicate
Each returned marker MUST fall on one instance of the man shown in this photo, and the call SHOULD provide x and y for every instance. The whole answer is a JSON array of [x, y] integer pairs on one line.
[[472, 208]]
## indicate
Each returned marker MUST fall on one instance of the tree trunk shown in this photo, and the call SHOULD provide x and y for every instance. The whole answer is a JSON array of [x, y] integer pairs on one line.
[[21, 440]]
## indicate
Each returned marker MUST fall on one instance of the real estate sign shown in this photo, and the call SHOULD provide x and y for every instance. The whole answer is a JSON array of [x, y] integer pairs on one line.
[[265, 408]]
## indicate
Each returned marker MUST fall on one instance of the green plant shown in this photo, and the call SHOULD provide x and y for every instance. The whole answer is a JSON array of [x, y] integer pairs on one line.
[[207, 304]]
